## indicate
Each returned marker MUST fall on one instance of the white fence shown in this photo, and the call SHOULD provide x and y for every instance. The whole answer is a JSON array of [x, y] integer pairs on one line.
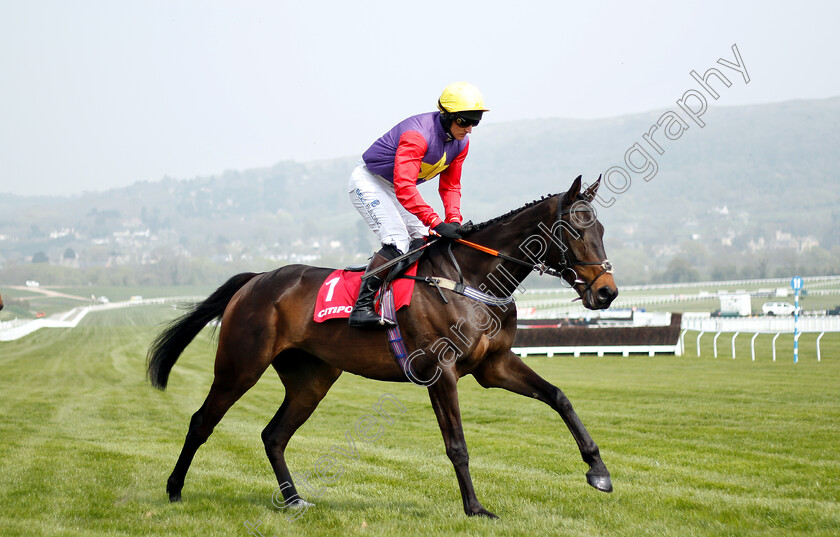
[[752, 343], [18, 328], [776, 326], [710, 327], [705, 323], [811, 281], [600, 350]]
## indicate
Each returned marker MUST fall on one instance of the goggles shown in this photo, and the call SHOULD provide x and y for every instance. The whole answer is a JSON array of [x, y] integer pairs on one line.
[[464, 122]]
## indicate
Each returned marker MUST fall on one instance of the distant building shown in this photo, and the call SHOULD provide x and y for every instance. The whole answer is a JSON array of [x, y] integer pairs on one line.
[[806, 243], [756, 245]]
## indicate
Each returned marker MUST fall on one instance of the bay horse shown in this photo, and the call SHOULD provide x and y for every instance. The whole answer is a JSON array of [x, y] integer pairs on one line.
[[267, 320]]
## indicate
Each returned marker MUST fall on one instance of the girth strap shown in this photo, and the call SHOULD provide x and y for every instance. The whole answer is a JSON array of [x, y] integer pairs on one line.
[[463, 290]]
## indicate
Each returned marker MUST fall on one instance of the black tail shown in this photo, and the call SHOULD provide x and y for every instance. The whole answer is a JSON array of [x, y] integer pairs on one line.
[[168, 346]]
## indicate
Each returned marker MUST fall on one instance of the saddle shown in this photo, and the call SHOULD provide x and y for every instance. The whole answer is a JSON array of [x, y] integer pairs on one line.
[[338, 293]]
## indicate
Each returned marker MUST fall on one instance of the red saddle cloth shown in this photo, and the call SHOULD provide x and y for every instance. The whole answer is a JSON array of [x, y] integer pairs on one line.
[[338, 293]]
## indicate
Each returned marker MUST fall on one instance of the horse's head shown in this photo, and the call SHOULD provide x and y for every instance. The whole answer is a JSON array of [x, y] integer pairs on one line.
[[559, 235], [579, 255]]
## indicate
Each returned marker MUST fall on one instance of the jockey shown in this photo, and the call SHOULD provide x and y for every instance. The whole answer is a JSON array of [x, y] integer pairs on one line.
[[383, 187]]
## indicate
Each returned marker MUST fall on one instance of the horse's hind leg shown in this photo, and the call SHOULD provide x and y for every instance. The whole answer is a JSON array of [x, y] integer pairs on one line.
[[232, 379], [307, 380], [508, 371]]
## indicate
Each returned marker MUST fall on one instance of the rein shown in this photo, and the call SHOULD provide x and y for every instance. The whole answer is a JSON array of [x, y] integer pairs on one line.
[[567, 263]]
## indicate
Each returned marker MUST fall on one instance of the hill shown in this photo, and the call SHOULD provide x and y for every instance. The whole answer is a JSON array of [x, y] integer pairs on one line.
[[751, 194]]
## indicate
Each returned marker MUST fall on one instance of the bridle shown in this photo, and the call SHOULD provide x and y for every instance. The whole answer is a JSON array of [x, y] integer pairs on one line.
[[567, 261], [568, 264]]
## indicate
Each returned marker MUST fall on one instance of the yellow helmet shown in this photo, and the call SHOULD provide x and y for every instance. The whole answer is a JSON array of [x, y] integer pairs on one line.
[[460, 97]]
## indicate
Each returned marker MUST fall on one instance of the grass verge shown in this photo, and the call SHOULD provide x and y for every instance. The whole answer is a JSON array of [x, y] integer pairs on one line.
[[696, 446]]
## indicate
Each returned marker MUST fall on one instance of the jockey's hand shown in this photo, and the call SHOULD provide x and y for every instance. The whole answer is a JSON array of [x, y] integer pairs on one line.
[[466, 227], [448, 230]]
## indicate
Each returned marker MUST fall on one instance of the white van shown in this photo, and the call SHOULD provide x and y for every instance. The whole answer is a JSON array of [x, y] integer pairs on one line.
[[777, 308]]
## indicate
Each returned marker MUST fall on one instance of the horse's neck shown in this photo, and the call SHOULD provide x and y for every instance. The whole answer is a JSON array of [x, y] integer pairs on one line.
[[513, 236]]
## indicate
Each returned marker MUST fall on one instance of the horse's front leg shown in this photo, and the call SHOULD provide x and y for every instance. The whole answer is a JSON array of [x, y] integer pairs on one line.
[[508, 371], [444, 396]]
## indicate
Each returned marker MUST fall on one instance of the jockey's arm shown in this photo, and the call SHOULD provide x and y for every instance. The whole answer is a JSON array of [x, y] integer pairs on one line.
[[450, 187], [407, 162]]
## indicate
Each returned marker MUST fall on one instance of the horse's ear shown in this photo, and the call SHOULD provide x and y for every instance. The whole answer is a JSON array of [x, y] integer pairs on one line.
[[589, 193], [573, 192]]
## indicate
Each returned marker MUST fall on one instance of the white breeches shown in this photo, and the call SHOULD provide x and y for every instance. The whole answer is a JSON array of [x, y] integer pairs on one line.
[[373, 196]]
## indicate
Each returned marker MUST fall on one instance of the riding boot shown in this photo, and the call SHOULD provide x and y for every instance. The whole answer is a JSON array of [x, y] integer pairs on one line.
[[363, 314], [395, 271]]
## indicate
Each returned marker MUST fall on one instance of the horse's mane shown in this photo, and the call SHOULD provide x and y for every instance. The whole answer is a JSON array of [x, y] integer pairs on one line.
[[482, 225]]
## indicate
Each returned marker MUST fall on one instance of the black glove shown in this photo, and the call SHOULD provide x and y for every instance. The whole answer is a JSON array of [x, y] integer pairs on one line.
[[445, 229], [466, 227]]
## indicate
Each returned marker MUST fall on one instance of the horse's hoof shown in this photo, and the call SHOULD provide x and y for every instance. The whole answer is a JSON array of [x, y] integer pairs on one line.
[[300, 503], [600, 482], [173, 488], [481, 512]]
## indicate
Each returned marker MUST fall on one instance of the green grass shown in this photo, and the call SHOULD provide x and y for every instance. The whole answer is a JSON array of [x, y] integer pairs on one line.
[[696, 446]]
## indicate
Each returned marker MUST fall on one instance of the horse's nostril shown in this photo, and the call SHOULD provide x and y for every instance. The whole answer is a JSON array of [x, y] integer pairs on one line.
[[606, 293]]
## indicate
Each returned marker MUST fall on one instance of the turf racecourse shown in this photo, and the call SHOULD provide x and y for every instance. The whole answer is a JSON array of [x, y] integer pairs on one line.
[[696, 446]]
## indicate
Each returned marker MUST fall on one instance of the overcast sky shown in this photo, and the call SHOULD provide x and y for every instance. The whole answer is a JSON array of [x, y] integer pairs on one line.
[[101, 94]]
